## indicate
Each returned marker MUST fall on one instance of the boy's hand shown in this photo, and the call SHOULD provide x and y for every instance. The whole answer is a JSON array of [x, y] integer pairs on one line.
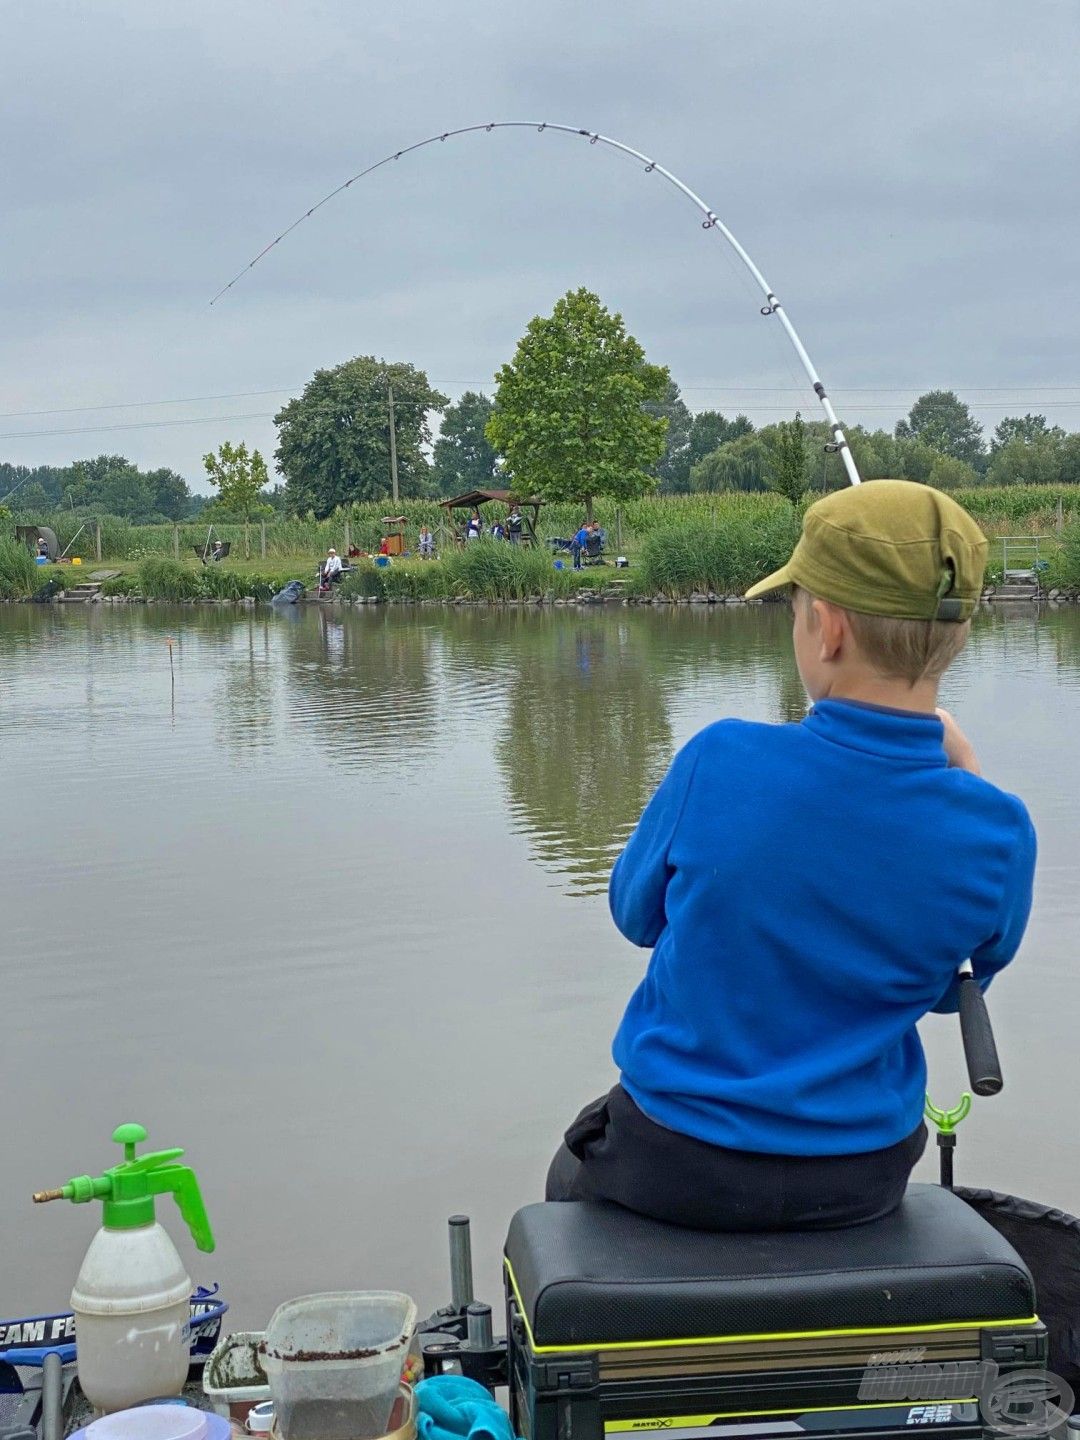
[[958, 748]]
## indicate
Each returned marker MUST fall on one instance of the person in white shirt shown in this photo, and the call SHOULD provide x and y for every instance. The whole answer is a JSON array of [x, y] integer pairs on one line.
[[331, 566]]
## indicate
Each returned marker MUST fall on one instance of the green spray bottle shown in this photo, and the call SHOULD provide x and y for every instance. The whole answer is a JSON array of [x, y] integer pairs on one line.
[[132, 1295]]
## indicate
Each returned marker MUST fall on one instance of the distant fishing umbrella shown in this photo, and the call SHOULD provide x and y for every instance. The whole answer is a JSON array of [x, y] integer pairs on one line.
[[772, 305]]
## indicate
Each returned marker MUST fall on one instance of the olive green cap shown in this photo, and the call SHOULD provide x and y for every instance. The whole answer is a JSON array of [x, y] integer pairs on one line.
[[888, 547]]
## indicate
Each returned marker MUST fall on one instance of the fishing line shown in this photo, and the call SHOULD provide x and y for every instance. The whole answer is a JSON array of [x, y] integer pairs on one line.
[[771, 308]]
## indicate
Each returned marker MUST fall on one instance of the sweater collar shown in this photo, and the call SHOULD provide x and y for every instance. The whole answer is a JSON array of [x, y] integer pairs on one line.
[[906, 735]]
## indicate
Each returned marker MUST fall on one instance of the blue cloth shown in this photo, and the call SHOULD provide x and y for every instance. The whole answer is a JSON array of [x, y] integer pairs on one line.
[[452, 1407], [582, 537], [809, 892]]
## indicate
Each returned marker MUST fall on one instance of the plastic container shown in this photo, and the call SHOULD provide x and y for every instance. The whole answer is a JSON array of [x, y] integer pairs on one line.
[[260, 1420], [334, 1363], [402, 1420], [157, 1422], [233, 1377]]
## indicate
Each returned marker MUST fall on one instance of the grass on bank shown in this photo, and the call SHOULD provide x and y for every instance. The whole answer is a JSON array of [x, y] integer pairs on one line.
[[723, 548], [19, 575], [1009, 509]]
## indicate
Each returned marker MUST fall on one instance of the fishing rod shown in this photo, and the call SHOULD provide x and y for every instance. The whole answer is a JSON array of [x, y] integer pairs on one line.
[[979, 1049], [712, 221]]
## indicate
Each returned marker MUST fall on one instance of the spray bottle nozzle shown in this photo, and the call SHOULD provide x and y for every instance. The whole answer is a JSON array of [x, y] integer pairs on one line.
[[128, 1189]]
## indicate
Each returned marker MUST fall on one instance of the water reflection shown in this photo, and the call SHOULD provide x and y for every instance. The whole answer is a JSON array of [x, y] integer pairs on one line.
[[361, 687], [586, 738], [342, 870]]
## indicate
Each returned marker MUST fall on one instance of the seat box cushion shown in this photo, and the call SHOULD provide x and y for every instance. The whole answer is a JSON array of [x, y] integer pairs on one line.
[[586, 1273]]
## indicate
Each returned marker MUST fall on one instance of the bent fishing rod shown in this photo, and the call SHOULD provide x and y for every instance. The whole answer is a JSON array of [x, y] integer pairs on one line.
[[980, 1051], [712, 221]]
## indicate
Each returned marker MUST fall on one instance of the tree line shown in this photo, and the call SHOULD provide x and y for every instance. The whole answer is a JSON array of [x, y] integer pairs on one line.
[[578, 412]]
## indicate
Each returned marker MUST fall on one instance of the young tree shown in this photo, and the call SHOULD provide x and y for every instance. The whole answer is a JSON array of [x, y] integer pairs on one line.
[[941, 420], [239, 479], [569, 411], [334, 439], [465, 459], [786, 469]]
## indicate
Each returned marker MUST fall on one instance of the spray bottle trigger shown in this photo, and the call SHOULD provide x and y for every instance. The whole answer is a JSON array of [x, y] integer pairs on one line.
[[183, 1185]]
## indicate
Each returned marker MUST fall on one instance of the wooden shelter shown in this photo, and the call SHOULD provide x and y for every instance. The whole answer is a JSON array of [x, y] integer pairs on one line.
[[477, 499]]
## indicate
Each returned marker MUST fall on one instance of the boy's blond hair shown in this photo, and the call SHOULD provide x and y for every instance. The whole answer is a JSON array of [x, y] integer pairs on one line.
[[908, 650]]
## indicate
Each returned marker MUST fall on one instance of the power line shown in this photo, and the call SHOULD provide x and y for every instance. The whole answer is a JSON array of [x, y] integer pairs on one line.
[[1018, 391], [269, 415], [142, 404]]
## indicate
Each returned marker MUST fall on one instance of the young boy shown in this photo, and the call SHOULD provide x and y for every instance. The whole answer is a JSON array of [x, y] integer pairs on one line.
[[809, 893]]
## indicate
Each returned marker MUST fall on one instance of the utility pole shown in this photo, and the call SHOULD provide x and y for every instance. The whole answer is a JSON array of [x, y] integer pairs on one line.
[[393, 445]]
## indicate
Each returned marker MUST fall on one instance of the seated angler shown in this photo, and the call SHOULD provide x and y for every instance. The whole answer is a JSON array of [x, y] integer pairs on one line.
[[809, 892], [331, 567]]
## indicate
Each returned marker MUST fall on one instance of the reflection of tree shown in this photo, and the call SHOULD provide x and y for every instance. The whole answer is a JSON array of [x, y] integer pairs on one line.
[[1064, 626], [364, 682], [245, 716], [586, 739]]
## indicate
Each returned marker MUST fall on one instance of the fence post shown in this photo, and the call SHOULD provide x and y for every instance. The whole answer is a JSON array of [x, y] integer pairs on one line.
[[176, 542], [262, 538], [97, 541], [348, 536], [1060, 516], [618, 528], [247, 541]]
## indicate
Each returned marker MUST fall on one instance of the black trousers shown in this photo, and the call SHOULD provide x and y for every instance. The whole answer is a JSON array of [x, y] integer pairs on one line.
[[614, 1152]]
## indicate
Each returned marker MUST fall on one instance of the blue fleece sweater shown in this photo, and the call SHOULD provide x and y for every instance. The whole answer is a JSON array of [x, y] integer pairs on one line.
[[809, 892]]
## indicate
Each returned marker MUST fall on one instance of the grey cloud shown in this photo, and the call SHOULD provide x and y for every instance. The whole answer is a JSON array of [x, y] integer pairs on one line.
[[905, 175]]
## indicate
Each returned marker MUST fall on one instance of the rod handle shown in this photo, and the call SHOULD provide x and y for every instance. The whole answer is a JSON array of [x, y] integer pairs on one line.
[[980, 1050]]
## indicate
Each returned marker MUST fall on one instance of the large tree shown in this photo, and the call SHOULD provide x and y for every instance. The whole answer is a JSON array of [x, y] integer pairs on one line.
[[105, 485], [1038, 461], [569, 410], [941, 420], [172, 497], [112, 485], [465, 458], [736, 465], [672, 470], [334, 438], [709, 430], [1028, 429]]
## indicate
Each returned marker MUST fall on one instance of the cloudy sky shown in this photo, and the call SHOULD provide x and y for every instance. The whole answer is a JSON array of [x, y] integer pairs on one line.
[[906, 175]]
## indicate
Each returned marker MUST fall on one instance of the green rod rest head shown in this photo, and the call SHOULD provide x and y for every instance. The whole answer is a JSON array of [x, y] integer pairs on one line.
[[947, 1120]]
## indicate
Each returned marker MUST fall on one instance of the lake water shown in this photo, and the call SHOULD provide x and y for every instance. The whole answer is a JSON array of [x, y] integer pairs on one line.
[[326, 908]]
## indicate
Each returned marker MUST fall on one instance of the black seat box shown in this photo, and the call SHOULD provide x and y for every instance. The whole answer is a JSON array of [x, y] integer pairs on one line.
[[617, 1323]]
